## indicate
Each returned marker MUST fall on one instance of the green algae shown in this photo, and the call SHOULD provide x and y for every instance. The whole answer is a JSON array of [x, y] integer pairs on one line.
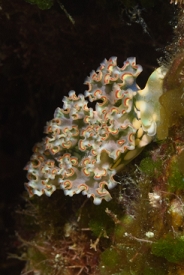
[[110, 261], [38, 258], [149, 166], [171, 249], [172, 100], [99, 221], [42, 4], [176, 178], [154, 271], [124, 225], [181, 162]]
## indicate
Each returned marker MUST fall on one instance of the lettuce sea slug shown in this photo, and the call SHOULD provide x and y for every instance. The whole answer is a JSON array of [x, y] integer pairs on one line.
[[85, 147]]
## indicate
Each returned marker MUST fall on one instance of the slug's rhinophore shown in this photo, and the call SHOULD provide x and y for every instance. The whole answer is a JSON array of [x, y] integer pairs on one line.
[[85, 147]]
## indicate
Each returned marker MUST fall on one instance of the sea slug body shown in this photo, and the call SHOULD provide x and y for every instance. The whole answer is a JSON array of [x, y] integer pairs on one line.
[[85, 147]]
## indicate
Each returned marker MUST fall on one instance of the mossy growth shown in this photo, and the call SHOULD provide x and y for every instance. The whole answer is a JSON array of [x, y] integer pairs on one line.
[[42, 4], [172, 100], [45, 255], [170, 249], [181, 162], [111, 260], [149, 166], [125, 223], [131, 258], [96, 218], [48, 214], [101, 222], [57, 243], [176, 177], [130, 252], [154, 271], [38, 258]]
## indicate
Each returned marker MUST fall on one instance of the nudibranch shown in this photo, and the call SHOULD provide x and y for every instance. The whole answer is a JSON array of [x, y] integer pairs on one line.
[[85, 147]]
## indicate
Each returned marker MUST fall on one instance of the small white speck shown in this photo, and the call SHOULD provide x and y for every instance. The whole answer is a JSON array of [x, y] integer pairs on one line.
[[149, 234]]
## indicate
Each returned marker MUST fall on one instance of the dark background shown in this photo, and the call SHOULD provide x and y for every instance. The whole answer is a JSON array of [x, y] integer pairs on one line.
[[42, 57]]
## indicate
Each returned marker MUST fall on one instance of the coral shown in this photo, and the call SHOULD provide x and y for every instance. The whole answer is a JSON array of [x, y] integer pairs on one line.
[[84, 147]]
